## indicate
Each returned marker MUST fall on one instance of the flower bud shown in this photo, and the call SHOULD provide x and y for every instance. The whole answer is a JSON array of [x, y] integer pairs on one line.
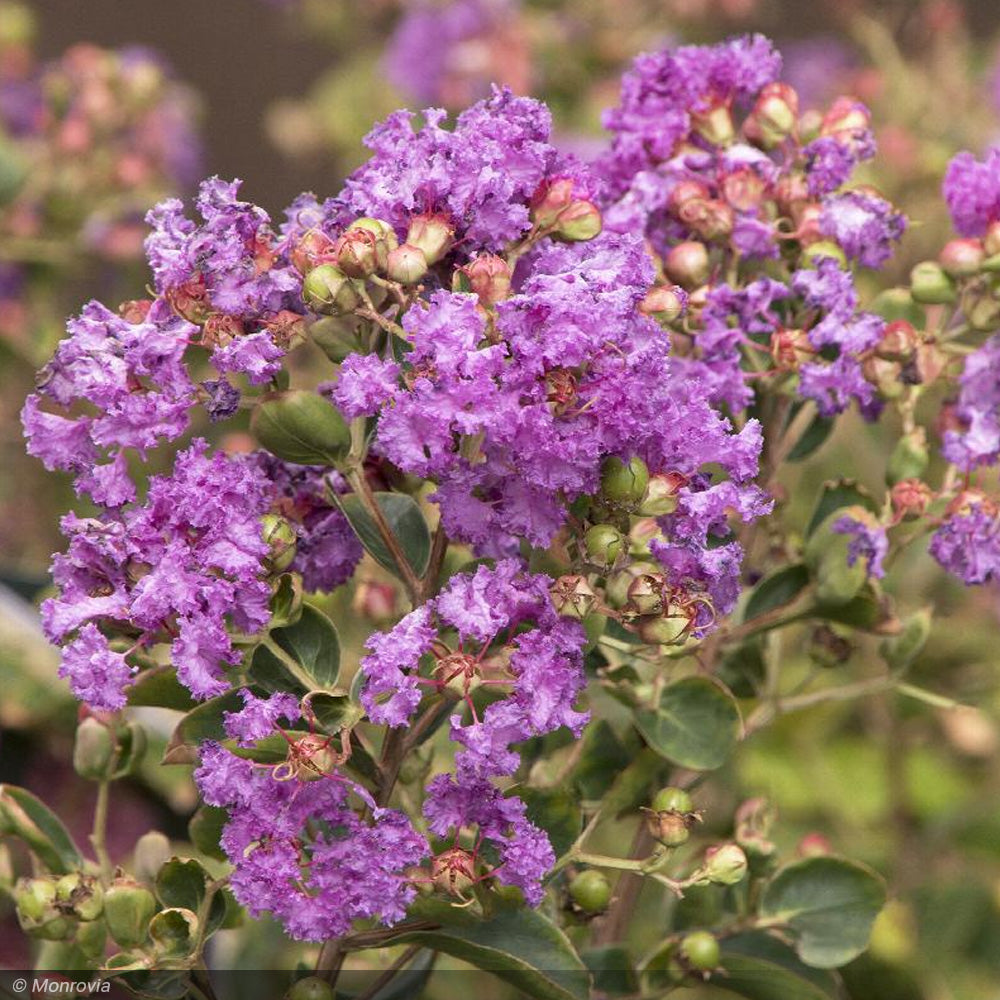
[[128, 908], [605, 545], [382, 231], [152, 850], [580, 222], [432, 234], [814, 252], [556, 207], [672, 799], [909, 458], [590, 892], [773, 116], [710, 219], [328, 291], [899, 651], [645, 594], [489, 278], [962, 258], [725, 864], [356, 253], [700, 951], [301, 427], [312, 248], [406, 264], [80, 893], [715, 124], [808, 228], [910, 498], [39, 912], [687, 264], [899, 340], [280, 538], [310, 988], [621, 484], [93, 749], [573, 597], [453, 871], [845, 117], [662, 494], [929, 284], [744, 189], [664, 303], [671, 628], [790, 348], [685, 191]]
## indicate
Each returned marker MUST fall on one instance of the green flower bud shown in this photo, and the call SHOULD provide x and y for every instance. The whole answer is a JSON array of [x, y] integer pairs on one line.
[[725, 864], [488, 277], [40, 913], [329, 291], [671, 628], [815, 252], [406, 264], [715, 124], [80, 893], [91, 938], [174, 931], [132, 746], [152, 849], [280, 538], [93, 749], [687, 264], [700, 951], [661, 494], [311, 988], [645, 594], [590, 892], [356, 253], [670, 828], [580, 222], [381, 230], [573, 597], [672, 799], [962, 258], [909, 458], [901, 650], [622, 484], [302, 427], [128, 909], [930, 284], [432, 234], [664, 303], [605, 544]]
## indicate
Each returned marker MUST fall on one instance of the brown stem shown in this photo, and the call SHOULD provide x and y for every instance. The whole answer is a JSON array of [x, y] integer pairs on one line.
[[331, 958]]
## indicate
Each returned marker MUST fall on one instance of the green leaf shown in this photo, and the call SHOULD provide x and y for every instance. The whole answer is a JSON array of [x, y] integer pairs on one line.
[[160, 688], [812, 440], [334, 712], [518, 945], [26, 817], [780, 588], [635, 785], [696, 724], [405, 521], [301, 427], [839, 493], [557, 812], [205, 830], [870, 610], [829, 903], [613, 970], [202, 723], [182, 883], [311, 660], [760, 967], [602, 758]]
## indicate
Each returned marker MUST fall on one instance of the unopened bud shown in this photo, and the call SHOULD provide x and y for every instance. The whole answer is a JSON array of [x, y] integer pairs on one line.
[[280, 538], [790, 349], [552, 197], [826, 555], [406, 264], [356, 253], [685, 191], [590, 892], [128, 908], [910, 498], [962, 258], [489, 278], [725, 864], [662, 494], [930, 284], [899, 651], [845, 118], [80, 893], [775, 113], [312, 248], [744, 189], [573, 597], [671, 628], [664, 303], [687, 264], [899, 339], [808, 228], [328, 291], [624, 484], [431, 234], [605, 545], [580, 222], [557, 207], [711, 219], [93, 750], [715, 125], [700, 951], [645, 594], [152, 850], [39, 912]]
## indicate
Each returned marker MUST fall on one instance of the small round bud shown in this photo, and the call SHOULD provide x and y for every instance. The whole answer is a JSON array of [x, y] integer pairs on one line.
[[356, 253], [580, 222], [814, 252], [715, 124], [556, 207], [605, 544], [406, 264], [671, 628], [573, 597], [700, 951], [128, 908], [93, 750], [453, 871], [899, 340], [930, 284], [910, 498], [311, 988], [774, 115], [962, 258], [790, 349], [312, 248], [685, 191], [664, 303], [152, 850], [725, 864], [328, 291], [80, 893], [845, 118], [280, 538], [590, 892], [39, 913], [672, 799], [489, 278], [662, 494], [645, 594], [687, 264], [623, 484], [431, 234], [711, 219], [744, 189]]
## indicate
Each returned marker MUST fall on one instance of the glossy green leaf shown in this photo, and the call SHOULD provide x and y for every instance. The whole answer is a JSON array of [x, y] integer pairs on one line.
[[695, 725], [760, 967], [775, 590], [405, 521], [829, 904], [602, 759], [517, 945], [26, 817], [182, 883], [160, 688], [333, 712], [613, 971], [205, 830], [301, 427], [557, 812], [206, 722], [812, 440], [308, 656]]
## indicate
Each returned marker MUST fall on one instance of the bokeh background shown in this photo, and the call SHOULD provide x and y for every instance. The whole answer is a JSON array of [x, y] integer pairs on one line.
[[281, 92]]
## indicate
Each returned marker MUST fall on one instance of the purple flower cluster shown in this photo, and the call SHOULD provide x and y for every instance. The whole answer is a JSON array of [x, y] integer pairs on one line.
[[300, 851], [540, 664], [978, 410], [967, 543], [972, 191], [172, 569]]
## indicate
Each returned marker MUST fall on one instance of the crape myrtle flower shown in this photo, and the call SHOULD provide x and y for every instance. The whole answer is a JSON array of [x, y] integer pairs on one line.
[[868, 542], [864, 226], [298, 847], [977, 443], [509, 637], [972, 191], [967, 543], [172, 569]]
